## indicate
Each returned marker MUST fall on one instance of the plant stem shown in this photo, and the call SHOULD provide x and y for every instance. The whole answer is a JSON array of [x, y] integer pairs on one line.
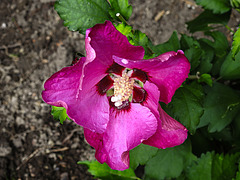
[[122, 18], [229, 28], [194, 76]]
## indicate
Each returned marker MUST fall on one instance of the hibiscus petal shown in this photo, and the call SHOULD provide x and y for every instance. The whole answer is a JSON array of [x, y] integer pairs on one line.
[[125, 130], [169, 133], [102, 42], [107, 41], [167, 71], [91, 112], [63, 84], [61, 89], [152, 98]]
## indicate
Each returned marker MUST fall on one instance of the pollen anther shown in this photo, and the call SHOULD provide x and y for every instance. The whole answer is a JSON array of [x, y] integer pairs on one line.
[[123, 88]]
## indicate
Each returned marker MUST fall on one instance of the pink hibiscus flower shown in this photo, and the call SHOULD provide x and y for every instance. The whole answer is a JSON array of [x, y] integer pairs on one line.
[[114, 94]]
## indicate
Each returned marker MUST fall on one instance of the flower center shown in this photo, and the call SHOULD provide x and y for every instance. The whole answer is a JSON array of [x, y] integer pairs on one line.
[[123, 88]]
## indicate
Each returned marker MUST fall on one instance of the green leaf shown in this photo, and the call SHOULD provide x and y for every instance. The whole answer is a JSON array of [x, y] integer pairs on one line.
[[235, 4], [220, 43], [122, 7], [192, 50], [236, 43], [207, 57], [136, 38], [217, 6], [200, 169], [224, 167], [125, 29], [172, 44], [169, 163], [187, 42], [141, 39], [217, 64], [103, 171], [187, 107], [199, 53], [231, 69], [220, 107], [79, 15], [194, 55], [225, 136], [205, 19], [207, 78], [213, 167], [221, 49], [141, 154], [59, 113], [238, 173]]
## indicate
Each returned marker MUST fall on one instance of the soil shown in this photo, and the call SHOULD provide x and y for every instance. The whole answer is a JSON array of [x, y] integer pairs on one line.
[[33, 45]]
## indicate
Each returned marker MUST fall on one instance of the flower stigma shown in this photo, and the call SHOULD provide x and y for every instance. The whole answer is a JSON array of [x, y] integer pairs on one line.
[[123, 88]]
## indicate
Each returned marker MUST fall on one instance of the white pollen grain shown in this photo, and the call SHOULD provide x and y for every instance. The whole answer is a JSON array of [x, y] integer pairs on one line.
[[118, 103], [114, 99]]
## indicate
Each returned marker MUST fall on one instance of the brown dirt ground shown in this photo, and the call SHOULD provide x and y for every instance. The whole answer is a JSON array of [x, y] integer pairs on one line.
[[33, 45]]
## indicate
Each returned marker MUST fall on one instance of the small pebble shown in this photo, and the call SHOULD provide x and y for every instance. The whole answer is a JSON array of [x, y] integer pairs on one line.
[[64, 176], [4, 25]]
